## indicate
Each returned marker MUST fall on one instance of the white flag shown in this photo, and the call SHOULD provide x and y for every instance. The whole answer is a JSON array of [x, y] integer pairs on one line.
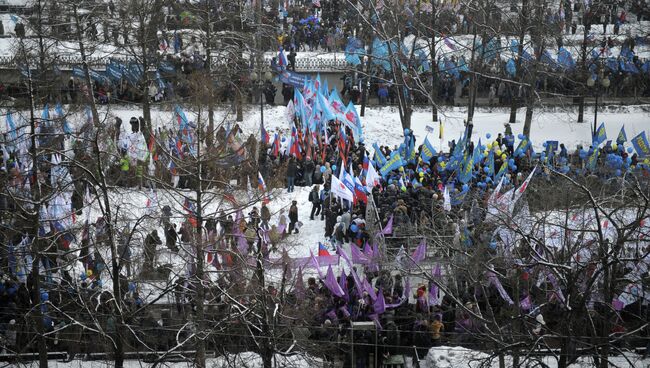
[[372, 178], [446, 205], [340, 190], [520, 191]]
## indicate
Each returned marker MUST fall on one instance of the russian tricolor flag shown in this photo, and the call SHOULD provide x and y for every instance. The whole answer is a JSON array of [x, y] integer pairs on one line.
[[322, 251], [282, 59]]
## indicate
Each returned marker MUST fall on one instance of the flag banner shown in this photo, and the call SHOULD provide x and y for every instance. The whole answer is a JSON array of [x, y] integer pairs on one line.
[[427, 151], [622, 136], [641, 145], [288, 77], [395, 162], [600, 135]]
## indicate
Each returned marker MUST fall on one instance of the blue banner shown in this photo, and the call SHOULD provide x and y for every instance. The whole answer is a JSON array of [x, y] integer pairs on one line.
[[288, 76], [622, 136], [600, 135], [395, 162], [641, 145], [427, 151]]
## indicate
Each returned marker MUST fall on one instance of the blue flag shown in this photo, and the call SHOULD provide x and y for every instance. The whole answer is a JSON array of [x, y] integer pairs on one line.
[[379, 156], [427, 151], [600, 135], [395, 162], [490, 163], [64, 121], [641, 145], [622, 137], [465, 174], [593, 159]]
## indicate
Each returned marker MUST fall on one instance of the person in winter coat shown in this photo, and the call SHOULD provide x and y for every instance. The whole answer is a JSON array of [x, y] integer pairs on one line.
[[293, 217], [308, 171], [171, 237], [150, 242], [339, 231], [292, 168], [265, 215], [346, 217], [314, 198], [327, 173]]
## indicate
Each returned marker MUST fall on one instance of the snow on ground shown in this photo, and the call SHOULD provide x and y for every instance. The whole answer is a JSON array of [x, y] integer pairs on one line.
[[437, 357], [382, 125]]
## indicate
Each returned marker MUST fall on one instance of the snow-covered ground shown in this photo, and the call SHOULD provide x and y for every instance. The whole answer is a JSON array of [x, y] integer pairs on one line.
[[381, 125], [438, 357]]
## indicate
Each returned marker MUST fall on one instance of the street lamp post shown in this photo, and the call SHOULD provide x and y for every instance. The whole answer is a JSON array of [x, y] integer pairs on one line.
[[259, 81], [591, 83]]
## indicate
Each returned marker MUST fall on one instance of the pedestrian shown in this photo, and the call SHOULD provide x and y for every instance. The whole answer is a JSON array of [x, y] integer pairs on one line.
[[308, 171], [265, 215], [293, 217], [292, 167], [314, 198]]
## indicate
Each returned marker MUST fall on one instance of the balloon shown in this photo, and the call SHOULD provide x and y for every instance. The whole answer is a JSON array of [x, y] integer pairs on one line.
[[45, 296], [544, 144], [498, 152], [354, 228], [333, 167], [614, 147], [83, 277], [89, 273], [504, 156], [440, 158], [443, 164], [493, 245], [646, 161], [514, 167], [283, 139], [628, 160], [521, 136], [618, 172], [511, 161], [486, 152], [629, 150], [322, 169], [488, 179], [486, 169], [488, 136], [465, 187], [489, 145]]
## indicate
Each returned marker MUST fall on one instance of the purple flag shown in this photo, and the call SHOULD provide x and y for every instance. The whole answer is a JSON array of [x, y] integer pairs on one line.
[[357, 256], [281, 228], [331, 284], [345, 311], [369, 289], [388, 229], [314, 263], [526, 304], [617, 304], [242, 243], [357, 283], [343, 283], [494, 280], [380, 304], [331, 315], [420, 252], [367, 251]]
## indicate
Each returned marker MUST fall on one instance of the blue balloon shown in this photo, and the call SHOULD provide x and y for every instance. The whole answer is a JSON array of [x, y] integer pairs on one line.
[[511, 161], [322, 169], [488, 136], [440, 159], [628, 160], [354, 228], [283, 139], [618, 172], [45, 296], [544, 144], [486, 169], [333, 167], [521, 136], [493, 245], [514, 167], [465, 187], [629, 150], [488, 179]]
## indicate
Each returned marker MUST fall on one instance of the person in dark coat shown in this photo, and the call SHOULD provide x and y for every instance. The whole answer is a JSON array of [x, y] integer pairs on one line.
[[293, 217], [150, 242], [314, 198], [292, 168], [308, 171]]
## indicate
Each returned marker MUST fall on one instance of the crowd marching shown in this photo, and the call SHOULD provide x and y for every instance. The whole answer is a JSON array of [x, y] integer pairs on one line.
[[415, 190]]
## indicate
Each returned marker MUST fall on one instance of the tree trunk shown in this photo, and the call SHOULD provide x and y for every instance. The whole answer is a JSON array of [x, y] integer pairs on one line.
[[90, 97], [520, 50]]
